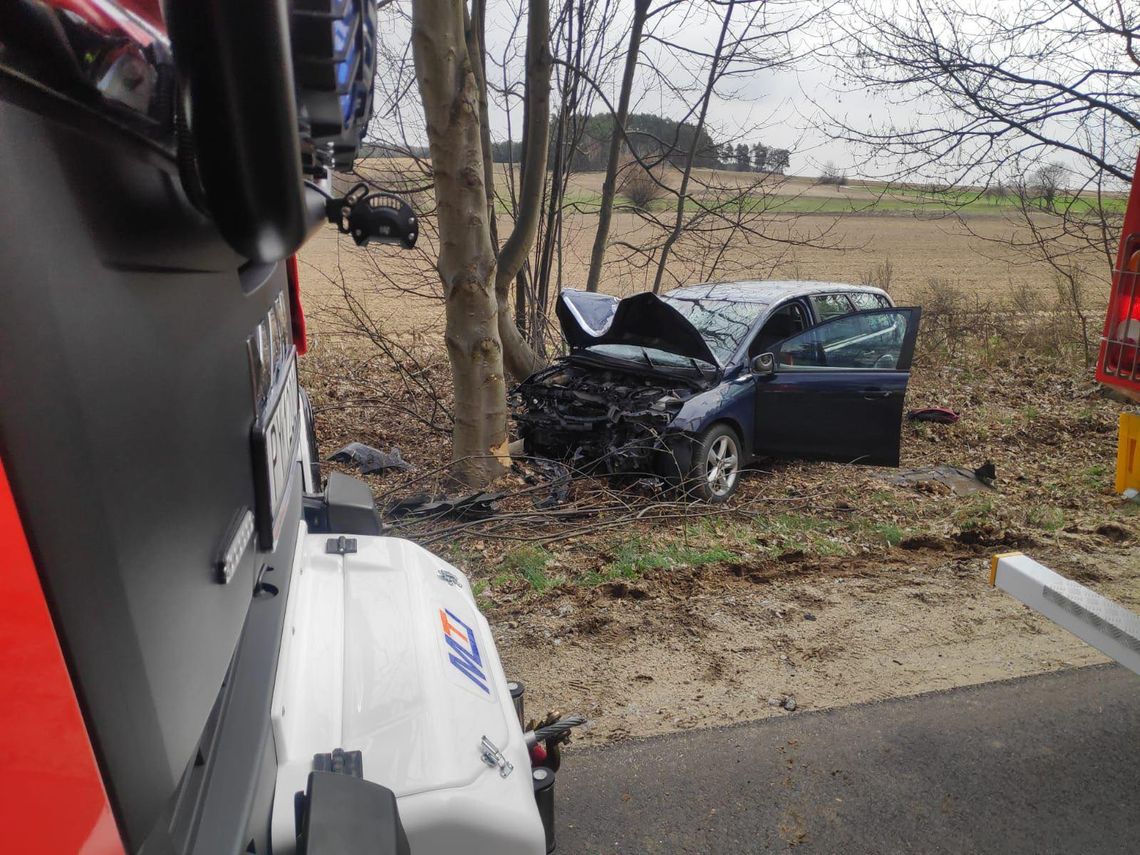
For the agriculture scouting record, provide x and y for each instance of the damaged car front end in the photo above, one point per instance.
(599, 418)
(627, 398)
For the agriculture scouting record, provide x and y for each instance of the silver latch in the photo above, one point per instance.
(494, 758)
(340, 545)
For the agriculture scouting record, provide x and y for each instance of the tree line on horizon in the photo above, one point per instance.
(653, 140)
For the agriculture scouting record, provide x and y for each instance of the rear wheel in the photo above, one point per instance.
(717, 457)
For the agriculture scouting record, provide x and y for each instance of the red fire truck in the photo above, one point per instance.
(206, 647)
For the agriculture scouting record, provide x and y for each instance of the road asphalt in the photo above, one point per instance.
(1040, 764)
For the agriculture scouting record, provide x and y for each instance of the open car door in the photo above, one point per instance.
(836, 390)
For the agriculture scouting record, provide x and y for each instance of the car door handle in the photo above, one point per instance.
(872, 394)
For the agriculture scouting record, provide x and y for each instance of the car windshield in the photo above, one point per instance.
(650, 357)
(722, 323)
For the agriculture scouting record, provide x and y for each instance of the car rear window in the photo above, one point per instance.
(831, 305)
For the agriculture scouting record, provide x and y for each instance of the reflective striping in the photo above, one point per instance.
(1108, 626)
(1098, 612)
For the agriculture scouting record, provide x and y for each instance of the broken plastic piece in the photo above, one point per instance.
(371, 460)
(557, 475)
(959, 480)
(473, 507)
(939, 415)
(650, 486)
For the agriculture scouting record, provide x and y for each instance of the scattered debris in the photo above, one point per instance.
(552, 472)
(649, 486)
(986, 473)
(370, 460)
(1131, 495)
(790, 704)
(938, 415)
(472, 507)
(809, 616)
(959, 481)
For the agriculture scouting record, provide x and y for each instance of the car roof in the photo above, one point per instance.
(764, 291)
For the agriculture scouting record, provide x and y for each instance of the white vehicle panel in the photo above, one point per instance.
(385, 652)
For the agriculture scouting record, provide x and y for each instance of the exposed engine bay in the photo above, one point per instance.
(600, 419)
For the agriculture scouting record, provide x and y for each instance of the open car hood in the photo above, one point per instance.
(643, 320)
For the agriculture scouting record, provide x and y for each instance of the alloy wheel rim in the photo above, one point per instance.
(722, 466)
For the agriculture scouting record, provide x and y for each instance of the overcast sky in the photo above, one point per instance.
(782, 108)
(785, 107)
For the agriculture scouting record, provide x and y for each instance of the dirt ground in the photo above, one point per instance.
(712, 646)
(819, 582)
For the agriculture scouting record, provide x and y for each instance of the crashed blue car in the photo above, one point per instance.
(697, 383)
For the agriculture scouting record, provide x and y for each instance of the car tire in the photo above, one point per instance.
(717, 458)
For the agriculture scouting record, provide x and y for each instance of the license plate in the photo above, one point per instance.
(275, 438)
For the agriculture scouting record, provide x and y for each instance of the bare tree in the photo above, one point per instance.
(450, 73)
(449, 89)
(716, 69)
(832, 174)
(993, 90)
(1047, 183)
(605, 213)
(719, 217)
(520, 358)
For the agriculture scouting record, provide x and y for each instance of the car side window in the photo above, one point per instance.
(867, 302)
(863, 340)
(829, 306)
(786, 321)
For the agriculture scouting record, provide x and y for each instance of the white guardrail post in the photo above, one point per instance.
(1096, 620)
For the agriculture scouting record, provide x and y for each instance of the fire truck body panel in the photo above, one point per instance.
(125, 432)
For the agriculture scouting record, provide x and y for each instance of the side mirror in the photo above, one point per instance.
(764, 365)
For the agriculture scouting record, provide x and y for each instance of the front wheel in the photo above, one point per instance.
(717, 456)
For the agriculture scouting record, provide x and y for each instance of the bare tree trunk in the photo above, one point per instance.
(519, 357)
(476, 48)
(682, 193)
(598, 254)
(450, 92)
(541, 273)
(521, 284)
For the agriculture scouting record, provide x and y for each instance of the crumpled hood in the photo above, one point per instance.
(643, 320)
